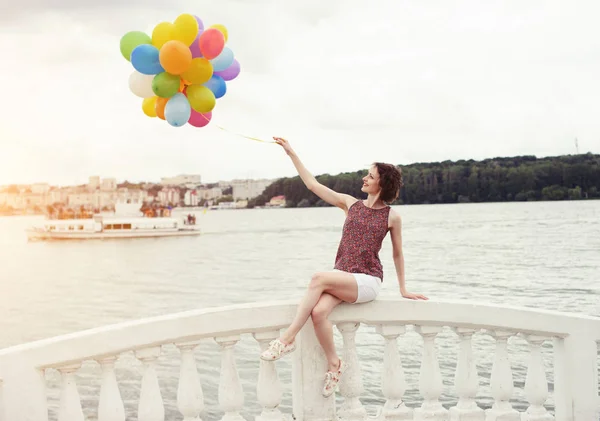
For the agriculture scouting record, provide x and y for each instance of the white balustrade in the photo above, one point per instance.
(23, 387)
(190, 398)
(393, 383)
(110, 403)
(351, 384)
(466, 380)
(70, 403)
(502, 382)
(268, 386)
(430, 378)
(536, 383)
(231, 394)
(151, 406)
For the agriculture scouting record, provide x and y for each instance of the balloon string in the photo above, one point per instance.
(237, 134)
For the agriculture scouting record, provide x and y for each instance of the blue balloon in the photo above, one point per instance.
(144, 59)
(178, 110)
(223, 60)
(217, 85)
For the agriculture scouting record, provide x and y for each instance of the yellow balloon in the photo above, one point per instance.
(187, 28)
(149, 106)
(222, 29)
(163, 33)
(201, 98)
(199, 72)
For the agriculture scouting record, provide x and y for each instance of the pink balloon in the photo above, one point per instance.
(231, 72)
(211, 43)
(200, 119)
(195, 46)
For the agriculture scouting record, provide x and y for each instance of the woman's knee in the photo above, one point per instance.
(319, 314)
(317, 281)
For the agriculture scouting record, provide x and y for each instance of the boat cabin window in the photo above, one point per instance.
(71, 227)
(126, 226)
(108, 226)
(80, 227)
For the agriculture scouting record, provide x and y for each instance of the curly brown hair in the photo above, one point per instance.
(390, 181)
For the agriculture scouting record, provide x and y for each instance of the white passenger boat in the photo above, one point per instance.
(126, 222)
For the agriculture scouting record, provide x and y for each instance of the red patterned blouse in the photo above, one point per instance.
(362, 236)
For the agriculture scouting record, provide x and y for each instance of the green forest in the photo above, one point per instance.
(520, 178)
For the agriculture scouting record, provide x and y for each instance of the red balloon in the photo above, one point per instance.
(199, 119)
(211, 43)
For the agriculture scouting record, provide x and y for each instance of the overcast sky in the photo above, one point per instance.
(347, 82)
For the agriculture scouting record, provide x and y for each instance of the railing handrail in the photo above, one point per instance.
(267, 316)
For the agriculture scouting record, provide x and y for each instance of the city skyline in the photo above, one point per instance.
(347, 83)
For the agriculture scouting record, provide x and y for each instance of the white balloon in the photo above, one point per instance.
(141, 85)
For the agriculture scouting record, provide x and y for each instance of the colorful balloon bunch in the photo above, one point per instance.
(181, 70)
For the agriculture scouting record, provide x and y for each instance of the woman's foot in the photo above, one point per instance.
(276, 350)
(332, 378)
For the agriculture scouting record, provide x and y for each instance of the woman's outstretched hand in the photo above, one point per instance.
(412, 296)
(284, 144)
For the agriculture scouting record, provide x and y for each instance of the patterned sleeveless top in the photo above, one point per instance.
(362, 236)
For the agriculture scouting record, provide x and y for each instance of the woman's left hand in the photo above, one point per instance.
(412, 296)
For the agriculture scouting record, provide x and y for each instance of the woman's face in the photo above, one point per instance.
(371, 182)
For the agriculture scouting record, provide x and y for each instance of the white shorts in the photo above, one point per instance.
(368, 287)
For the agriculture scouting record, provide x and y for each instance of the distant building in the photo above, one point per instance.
(277, 201)
(108, 184)
(191, 198)
(248, 189)
(169, 195)
(188, 180)
(94, 183)
(40, 188)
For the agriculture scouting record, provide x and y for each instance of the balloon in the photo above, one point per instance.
(221, 29)
(199, 119)
(131, 40)
(195, 46)
(178, 110)
(199, 71)
(217, 85)
(201, 98)
(200, 24)
(160, 107)
(223, 60)
(231, 72)
(144, 59)
(182, 85)
(187, 28)
(164, 32)
(175, 57)
(141, 85)
(211, 43)
(149, 106)
(165, 85)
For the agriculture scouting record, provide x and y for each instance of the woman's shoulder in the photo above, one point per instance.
(394, 217)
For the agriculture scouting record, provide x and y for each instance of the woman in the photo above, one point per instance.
(357, 274)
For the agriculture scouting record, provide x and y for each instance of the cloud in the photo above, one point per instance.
(347, 82)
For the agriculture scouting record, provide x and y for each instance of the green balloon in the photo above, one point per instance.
(165, 85)
(131, 40)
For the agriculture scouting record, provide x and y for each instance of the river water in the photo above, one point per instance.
(540, 254)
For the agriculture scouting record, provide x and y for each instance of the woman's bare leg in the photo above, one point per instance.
(324, 328)
(341, 285)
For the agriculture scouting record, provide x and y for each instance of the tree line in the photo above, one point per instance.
(520, 178)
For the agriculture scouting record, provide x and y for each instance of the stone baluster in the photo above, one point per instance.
(110, 405)
(536, 383)
(151, 406)
(2, 411)
(430, 378)
(393, 383)
(268, 388)
(351, 385)
(190, 398)
(502, 382)
(466, 381)
(70, 403)
(231, 394)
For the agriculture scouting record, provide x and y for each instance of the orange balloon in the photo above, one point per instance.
(175, 57)
(160, 107)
